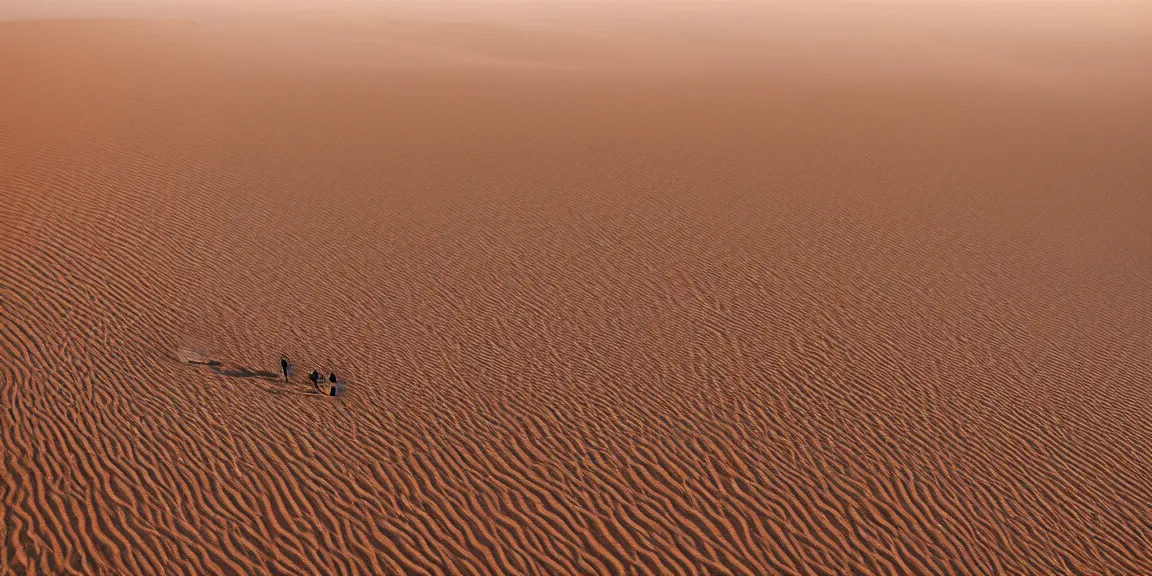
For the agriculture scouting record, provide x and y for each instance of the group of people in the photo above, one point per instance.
(315, 378)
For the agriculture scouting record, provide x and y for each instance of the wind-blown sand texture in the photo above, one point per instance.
(844, 290)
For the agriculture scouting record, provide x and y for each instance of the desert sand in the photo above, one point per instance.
(694, 288)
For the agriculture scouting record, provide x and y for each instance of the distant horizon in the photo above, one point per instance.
(1024, 41)
(51, 9)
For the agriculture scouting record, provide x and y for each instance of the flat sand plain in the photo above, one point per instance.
(842, 289)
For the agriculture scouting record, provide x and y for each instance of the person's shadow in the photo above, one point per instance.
(235, 370)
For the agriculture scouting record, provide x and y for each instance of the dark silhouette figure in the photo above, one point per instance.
(332, 380)
(284, 368)
(332, 391)
(315, 378)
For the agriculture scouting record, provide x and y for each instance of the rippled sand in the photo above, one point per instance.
(841, 290)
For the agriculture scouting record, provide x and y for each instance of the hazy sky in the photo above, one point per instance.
(22, 9)
(1081, 41)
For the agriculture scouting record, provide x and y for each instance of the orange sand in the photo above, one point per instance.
(851, 289)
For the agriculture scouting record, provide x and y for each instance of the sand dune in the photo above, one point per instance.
(619, 311)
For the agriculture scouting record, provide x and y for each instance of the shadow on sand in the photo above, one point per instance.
(236, 371)
(286, 392)
(233, 370)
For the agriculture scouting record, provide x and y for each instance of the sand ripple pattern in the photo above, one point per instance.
(590, 325)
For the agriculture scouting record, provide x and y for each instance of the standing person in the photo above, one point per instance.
(315, 378)
(284, 367)
(332, 380)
